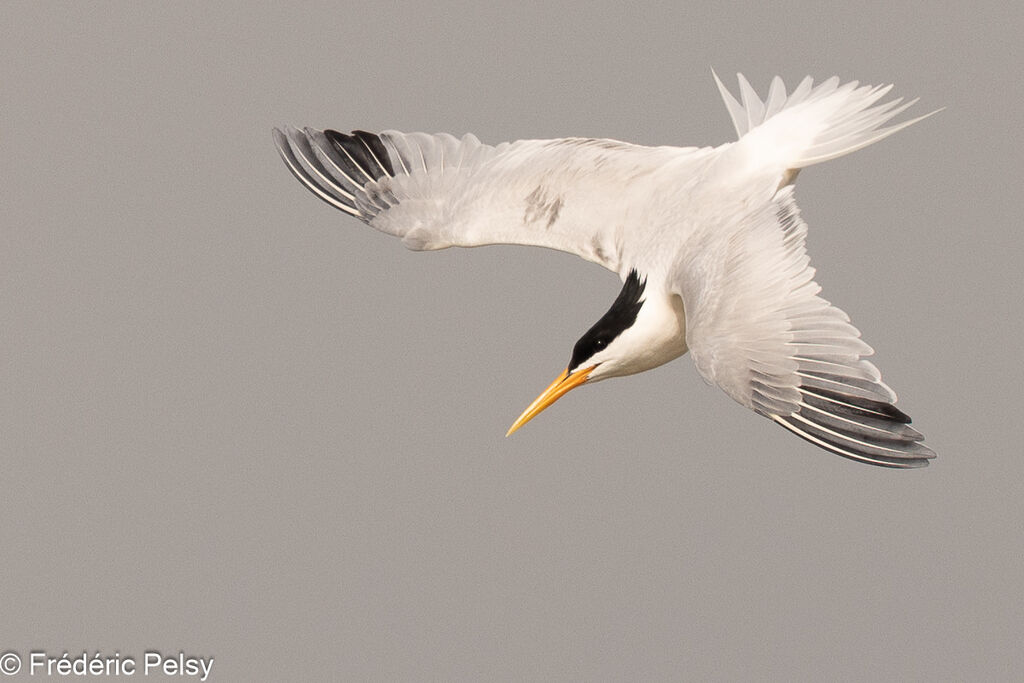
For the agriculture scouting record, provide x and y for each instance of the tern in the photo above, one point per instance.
(708, 242)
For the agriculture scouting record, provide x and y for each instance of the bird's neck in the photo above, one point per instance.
(658, 335)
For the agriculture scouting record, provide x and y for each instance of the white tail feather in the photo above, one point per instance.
(814, 123)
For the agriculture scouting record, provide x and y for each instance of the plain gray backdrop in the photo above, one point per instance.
(238, 423)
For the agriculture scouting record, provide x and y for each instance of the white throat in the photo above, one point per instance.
(657, 336)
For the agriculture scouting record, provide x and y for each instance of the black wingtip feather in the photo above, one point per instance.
(284, 141)
(910, 462)
(369, 163)
(380, 153)
(855, 405)
(854, 426)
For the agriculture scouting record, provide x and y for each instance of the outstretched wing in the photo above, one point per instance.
(758, 330)
(437, 191)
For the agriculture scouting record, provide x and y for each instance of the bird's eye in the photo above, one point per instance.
(600, 344)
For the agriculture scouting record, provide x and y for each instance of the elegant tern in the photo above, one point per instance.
(708, 242)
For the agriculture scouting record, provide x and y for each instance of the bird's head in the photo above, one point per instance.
(636, 334)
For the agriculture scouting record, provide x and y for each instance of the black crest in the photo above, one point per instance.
(619, 318)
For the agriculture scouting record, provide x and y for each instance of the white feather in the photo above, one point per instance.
(715, 233)
(813, 125)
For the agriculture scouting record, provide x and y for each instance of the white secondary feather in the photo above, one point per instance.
(716, 228)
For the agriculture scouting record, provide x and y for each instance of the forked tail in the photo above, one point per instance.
(813, 123)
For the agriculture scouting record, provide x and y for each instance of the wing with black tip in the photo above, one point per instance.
(438, 191)
(757, 329)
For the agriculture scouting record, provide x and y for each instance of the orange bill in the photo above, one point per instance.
(555, 391)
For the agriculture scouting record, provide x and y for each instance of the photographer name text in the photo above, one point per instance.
(152, 663)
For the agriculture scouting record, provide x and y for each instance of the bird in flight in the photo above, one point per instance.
(708, 242)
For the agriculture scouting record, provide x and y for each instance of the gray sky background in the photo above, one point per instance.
(237, 423)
